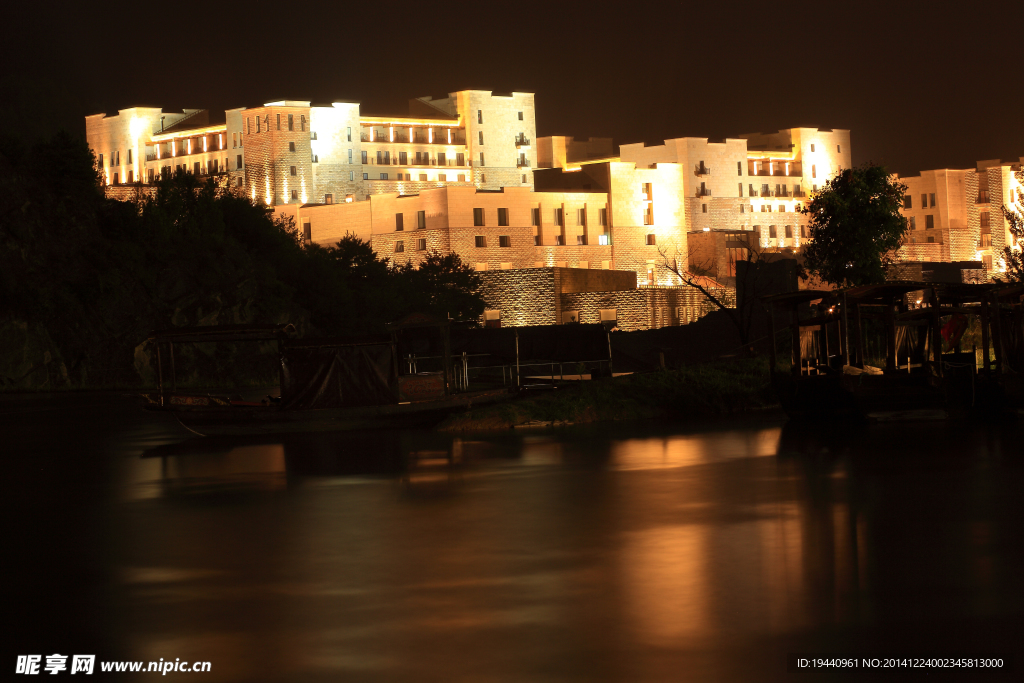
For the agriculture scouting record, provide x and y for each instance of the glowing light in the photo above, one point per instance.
(391, 133)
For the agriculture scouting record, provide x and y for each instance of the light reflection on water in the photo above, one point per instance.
(622, 553)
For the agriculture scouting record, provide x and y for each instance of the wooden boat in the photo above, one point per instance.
(326, 385)
(829, 376)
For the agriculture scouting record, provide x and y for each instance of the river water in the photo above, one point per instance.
(642, 552)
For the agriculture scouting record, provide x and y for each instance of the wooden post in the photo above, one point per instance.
(860, 336)
(936, 335)
(890, 337)
(997, 332)
(985, 334)
(159, 373)
(845, 333)
(795, 325)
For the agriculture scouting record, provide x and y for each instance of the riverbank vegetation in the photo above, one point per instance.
(703, 390)
(84, 278)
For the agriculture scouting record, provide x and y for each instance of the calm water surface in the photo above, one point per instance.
(648, 552)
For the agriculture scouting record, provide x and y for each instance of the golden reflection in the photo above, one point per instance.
(667, 583)
(259, 467)
(697, 449)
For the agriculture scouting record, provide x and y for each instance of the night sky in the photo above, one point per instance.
(920, 85)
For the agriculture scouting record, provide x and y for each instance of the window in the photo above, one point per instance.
(423, 176)
(983, 216)
(502, 217)
(279, 122)
(782, 208)
(803, 231)
(913, 223)
(581, 240)
(931, 239)
(524, 178)
(399, 246)
(812, 146)
(307, 231)
(602, 216)
(839, 150)
(383, 176)
(986, 261)
(403, 158)
(481, 135)
(421, 219)
(101, 161)
(460, 159)
(238, 161)
(350, 156)
(478, 216)
(364, 153)
(481, 163)
(291, 146)
(932, 199)
(421, 244)
(651, 239)
(483, 178)
(399, 221)
(789, 232)
(559, 241)
(742, 208)
(349, 133)
(534, 217)
(302, 122)
(462, 177)
(558, 217)
(771, 231)
(328, 199)
(295, 194)
(908, 201)
(505, 241)
(581, 217)
(814, 188)
(351, 175)
(929, 222)
(814, 171)
(740, 190)
(520, 116)
(258, 122)
(604, 240)
(924, 201)
(703, 208)
(479, 115)
(129, 156)
(441, 160)
(986, 240)
(480, 241)
(366, 176)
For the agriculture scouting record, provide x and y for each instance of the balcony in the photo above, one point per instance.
(765, 192)
(783, 192)
(795, 170)
(522, 141)
(703, 192)
(700, 169)
(523, 163)
(799, 193)
(983, 197)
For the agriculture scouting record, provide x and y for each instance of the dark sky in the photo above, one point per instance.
(920, 85)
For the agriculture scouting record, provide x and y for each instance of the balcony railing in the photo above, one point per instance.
(703, 191)
(765, 192)
(983, 197)
(522, 141)
(799, 193)
(783, 192)
(794, 170)
(701, 169)
(523, 163)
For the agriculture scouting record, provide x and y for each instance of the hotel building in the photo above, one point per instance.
(956, 214)
(293, 152)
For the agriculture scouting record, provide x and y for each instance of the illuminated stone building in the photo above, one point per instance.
(753, 182)
(956, 214)
(294, 152)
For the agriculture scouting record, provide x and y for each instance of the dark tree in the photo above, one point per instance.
(1012, 252)
(856, 226)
